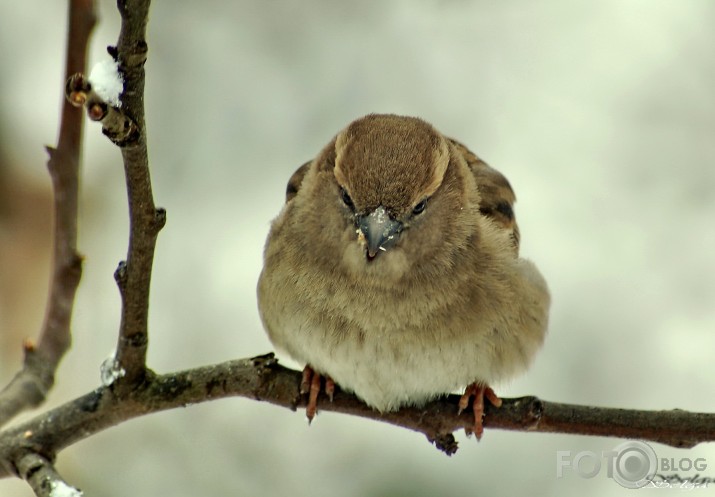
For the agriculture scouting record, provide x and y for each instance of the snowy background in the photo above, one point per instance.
(601, 114)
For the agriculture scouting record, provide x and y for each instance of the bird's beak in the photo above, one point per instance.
(380, 231)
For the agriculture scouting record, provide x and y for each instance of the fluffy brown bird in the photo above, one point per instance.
(393, 270)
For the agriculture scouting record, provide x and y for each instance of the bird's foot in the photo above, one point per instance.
(310, 384)
(480, 392)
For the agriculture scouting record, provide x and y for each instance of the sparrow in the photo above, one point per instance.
(393, 271)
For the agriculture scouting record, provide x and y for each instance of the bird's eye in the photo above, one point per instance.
(346, 198)
(419, 208)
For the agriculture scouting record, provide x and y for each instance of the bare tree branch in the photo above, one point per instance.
(30, 385)
(134, 276)
(261, 378)
(42, 477)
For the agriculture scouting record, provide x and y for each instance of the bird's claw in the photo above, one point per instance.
(310, 384)
(479, 392)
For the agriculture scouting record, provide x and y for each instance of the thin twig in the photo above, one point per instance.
(30, 385)
(261, 378)
(43, 478)
(134, 275)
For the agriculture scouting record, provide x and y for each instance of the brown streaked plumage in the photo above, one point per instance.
(295, 180)
(393, 270)
(497, 197)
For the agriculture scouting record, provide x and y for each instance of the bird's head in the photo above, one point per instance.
(388, 173)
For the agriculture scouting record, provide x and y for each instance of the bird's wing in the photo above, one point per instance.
(295, 181)
(497, 196)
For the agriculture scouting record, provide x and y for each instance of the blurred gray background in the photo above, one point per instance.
(601, 114)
